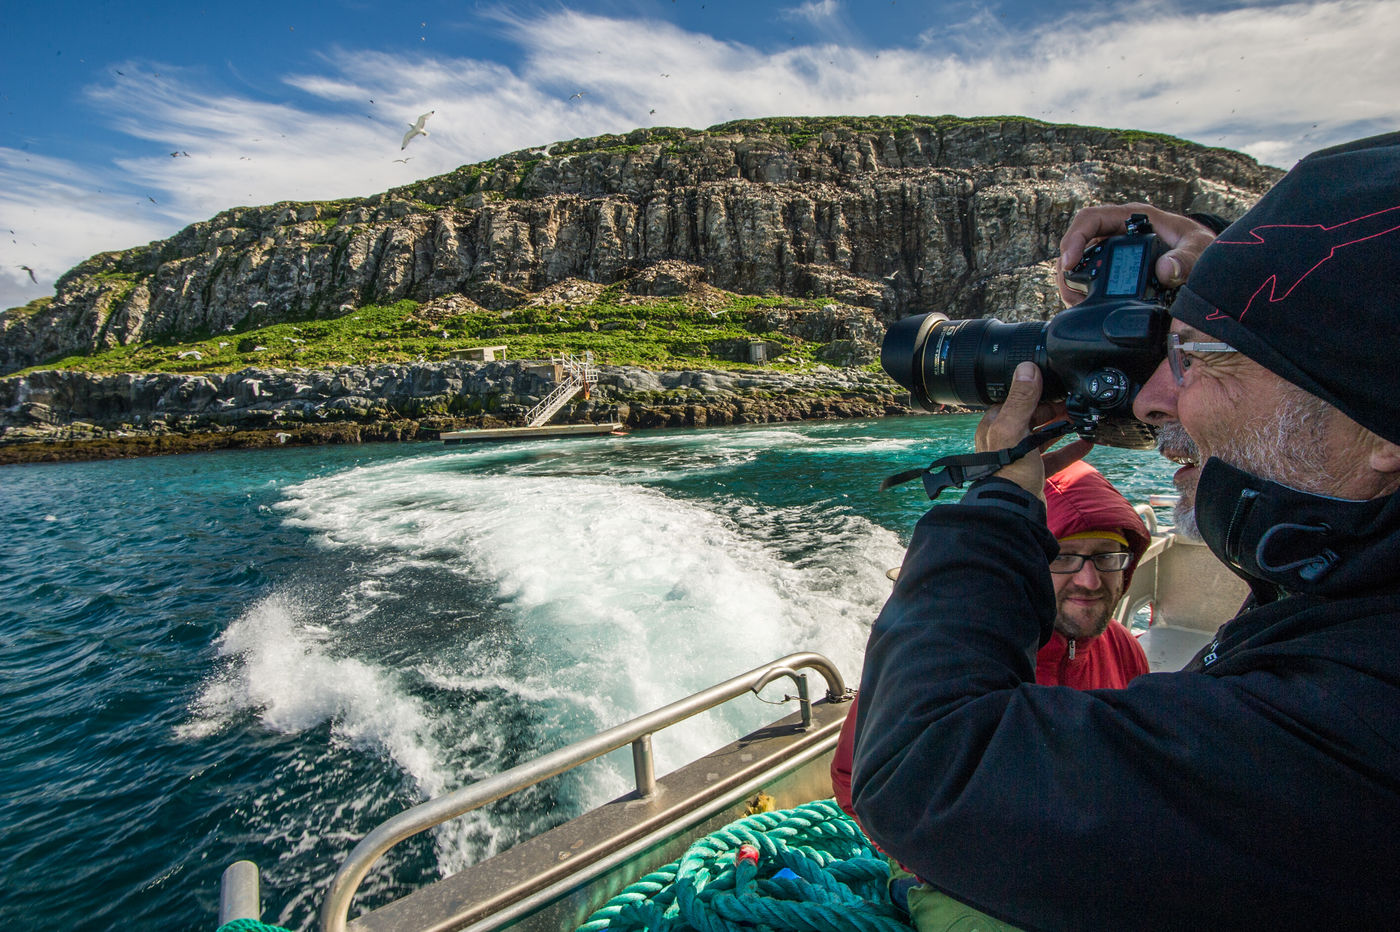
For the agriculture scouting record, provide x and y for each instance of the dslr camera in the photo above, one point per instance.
(1094, 356)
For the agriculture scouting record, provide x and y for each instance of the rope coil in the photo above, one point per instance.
(829, 878)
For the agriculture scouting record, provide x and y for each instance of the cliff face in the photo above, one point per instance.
(893, 214)
(58, 414)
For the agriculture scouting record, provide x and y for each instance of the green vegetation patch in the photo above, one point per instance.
(33, 308)
(658, 333)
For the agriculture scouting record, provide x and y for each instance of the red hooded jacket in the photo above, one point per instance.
(1077, 499)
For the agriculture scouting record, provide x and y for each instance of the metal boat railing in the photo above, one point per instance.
(239, 894)
(637, 733)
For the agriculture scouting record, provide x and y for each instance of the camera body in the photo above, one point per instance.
(1094, 356)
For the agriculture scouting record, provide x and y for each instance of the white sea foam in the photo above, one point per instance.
(281, 671)
(619, 585)
(612, 599)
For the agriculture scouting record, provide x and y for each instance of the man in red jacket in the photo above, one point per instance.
(1101, 538)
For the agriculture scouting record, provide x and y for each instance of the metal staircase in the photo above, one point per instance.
(579, 375)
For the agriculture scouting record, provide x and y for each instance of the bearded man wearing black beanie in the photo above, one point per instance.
(1259, 788)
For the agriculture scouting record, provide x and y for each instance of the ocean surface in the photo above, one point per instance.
(264, 654)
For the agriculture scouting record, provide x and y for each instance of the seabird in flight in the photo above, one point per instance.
(416, 129)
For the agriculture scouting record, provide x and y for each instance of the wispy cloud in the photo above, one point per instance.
(814, 11)
(1275, 82)
(54, 213)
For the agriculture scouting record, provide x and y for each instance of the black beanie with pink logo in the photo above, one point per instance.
(1307, 283)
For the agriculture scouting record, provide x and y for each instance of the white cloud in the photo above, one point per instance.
(814, 11)
(54, 214)
(1250, 79)
(1275, 82)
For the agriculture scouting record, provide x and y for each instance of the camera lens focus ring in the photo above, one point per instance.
(1026, 345)
(963, 354)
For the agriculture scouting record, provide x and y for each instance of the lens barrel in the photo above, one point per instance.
(963, 362)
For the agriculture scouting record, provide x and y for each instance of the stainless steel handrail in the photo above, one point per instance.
(239, 896)
(1148, 516)
(637, 732)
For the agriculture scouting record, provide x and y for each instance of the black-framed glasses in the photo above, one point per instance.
(1177, 354)
(1113, 562)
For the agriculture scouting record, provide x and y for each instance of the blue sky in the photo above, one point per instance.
(262, 102)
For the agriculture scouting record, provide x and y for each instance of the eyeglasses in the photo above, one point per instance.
(1179, 361)
(1113, 562)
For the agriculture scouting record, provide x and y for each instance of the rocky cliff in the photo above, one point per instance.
(56, 415)
(893, 214)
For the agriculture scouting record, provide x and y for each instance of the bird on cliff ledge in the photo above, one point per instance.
(416, 129)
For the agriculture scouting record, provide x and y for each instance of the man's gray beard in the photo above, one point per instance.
(1288, 448)
(1173, 439)
(1184, 514)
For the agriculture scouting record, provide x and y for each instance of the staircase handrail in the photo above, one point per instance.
(579, 373)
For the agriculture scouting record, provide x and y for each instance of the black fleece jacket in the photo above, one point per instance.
(1261, 792)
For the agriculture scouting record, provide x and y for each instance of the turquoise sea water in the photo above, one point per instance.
(264, 654)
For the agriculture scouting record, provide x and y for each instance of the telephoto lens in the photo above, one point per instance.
(1094, 356)
(964, 362)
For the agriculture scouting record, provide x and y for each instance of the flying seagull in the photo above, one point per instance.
(416, 129)
(31, 274)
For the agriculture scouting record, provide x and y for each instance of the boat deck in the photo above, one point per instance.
(557, 879)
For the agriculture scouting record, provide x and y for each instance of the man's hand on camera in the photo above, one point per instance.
(1006, 424)
(1186, 238)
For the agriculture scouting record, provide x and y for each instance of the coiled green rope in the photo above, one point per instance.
(835, 881)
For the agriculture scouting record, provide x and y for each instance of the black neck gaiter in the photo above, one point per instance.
(1283, 541)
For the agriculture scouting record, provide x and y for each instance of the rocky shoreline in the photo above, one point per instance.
(55, 415)
(873, 218)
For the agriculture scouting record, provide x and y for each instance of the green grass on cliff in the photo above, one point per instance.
(32, 309)
(650, 332)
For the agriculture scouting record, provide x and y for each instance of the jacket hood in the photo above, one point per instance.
(1078, 499)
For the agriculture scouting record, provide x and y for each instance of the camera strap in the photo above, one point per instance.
(951, 472)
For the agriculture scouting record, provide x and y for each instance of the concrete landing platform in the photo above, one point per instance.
(549, 431)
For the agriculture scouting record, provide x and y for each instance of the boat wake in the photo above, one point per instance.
(452, 622)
